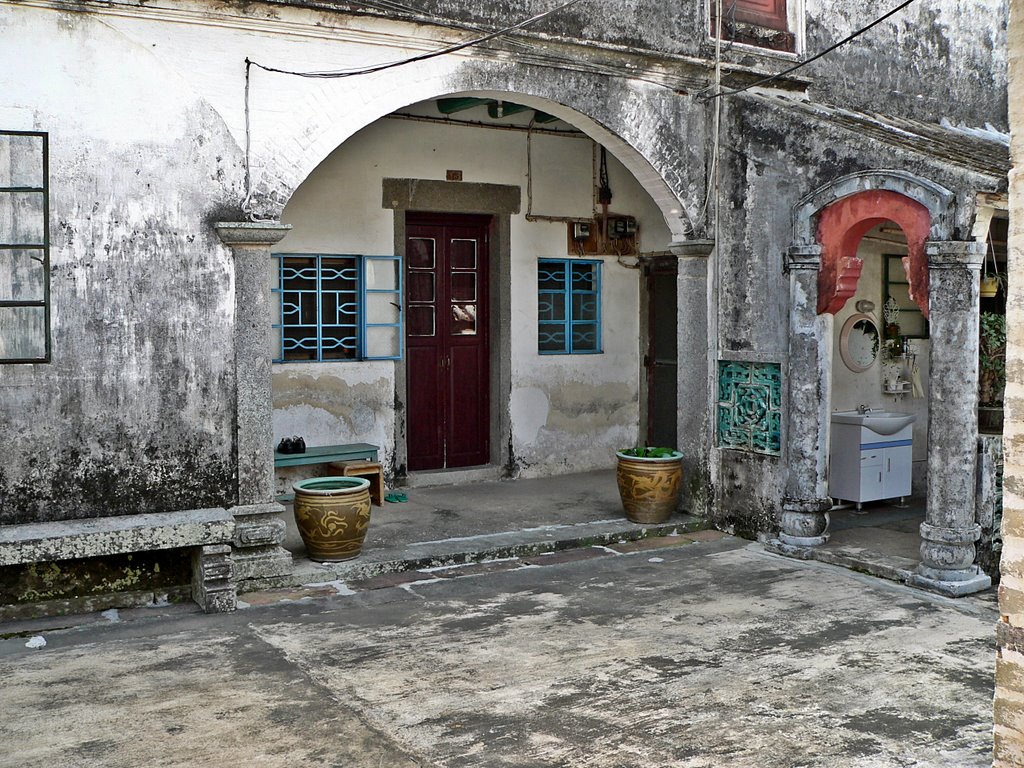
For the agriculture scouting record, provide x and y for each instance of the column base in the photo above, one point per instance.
(954, 583)
(805, 522)
(803, 541)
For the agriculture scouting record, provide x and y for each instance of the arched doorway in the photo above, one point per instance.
(942, 282)
(539, 372)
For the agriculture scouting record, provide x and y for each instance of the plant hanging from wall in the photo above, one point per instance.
(893, 345)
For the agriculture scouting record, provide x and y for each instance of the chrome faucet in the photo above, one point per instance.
(862, 409)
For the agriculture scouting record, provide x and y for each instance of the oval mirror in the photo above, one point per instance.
(859, 342)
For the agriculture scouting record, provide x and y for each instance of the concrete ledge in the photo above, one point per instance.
(889, 567)
(497, 546)
(100, 536)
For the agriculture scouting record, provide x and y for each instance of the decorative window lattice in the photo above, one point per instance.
(568, 307)
(24, 247)
(338, 308)
(750, 406)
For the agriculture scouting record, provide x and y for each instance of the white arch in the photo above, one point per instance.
(660, 166)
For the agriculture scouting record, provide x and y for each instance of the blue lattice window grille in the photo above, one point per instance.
(24, 247)
(750, 406)
(337, 307)
(568, 307)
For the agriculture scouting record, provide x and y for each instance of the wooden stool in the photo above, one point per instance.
(371, 470)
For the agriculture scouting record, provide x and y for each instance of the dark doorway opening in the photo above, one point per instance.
(661, 358)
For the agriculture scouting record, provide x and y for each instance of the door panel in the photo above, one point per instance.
(426, 440)
(448, 371)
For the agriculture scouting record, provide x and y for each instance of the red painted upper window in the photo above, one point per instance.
(764, 23)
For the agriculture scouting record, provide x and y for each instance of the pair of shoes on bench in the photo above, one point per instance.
(396, 496)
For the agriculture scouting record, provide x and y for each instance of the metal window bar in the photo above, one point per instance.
(43, 246)
(580, 324)
(328, 333)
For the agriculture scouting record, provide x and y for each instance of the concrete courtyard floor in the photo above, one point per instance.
(697, 650)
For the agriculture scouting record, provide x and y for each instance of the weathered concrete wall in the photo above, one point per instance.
(907, 65)
(911, 63)
(134, 414)
(567, 413)
(147, 116)
(771, 159)
(1009, 696)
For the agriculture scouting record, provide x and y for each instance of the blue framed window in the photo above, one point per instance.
(337, 307)
(568, 307)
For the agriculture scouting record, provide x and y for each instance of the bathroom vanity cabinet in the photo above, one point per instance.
(866, 465)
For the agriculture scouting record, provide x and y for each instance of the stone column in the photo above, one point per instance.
(949, 531)
(260, 560)
(806, 503)
(693, 428)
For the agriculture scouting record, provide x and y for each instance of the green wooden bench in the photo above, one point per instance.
(324, 454)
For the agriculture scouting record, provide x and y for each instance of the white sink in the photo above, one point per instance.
(881, 422)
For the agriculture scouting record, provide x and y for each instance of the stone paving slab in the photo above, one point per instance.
(709, 655)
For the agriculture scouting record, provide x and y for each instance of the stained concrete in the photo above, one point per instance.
(709, 654)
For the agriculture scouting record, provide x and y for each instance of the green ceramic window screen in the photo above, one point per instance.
(750, 407)
(912, 322)
(24, 248)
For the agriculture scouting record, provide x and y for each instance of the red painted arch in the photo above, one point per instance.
(843, 224)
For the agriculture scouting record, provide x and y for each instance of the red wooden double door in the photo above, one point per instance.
(448, 366)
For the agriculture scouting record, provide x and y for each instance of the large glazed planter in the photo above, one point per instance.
(333, 514)
(650, 488)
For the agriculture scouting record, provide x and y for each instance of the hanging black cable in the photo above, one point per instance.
(794, 68)
(420, 57)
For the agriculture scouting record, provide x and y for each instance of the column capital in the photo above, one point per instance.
(251, 233)
(955, 254)
(692, 248)
(803, 257)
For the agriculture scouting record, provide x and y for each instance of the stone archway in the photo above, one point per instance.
(843, 224)
(282, 162)
(823, 269)
(286, 145)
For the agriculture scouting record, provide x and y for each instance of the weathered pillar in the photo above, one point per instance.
(949, 531)
(806, 503)
(693, 428)
(260, 560)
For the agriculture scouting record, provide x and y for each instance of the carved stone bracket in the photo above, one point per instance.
(213, 578)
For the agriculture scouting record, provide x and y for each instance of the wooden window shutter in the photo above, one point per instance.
(764, 13)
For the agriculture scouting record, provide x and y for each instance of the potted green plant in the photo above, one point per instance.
(992, 371)
(650, 481)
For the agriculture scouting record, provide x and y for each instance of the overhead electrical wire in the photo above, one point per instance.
(249, 64)
(419, 57)
(765, 80)
(385, 5)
